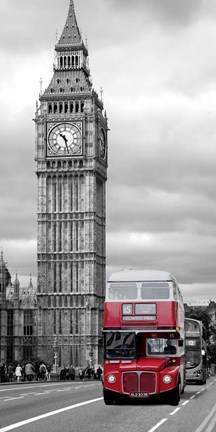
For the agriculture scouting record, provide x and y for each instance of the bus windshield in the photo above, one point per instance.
(161, 346)
(192, 328)
(119, 345)
(193, 359)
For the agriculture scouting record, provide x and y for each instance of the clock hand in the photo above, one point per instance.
(65, 140)
(63, 136)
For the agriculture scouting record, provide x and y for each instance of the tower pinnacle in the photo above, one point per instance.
(71, 34)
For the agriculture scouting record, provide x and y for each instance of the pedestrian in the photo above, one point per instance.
(81, 373)
(10, 372)
(23, 373)
(43, 371)
(48, 372)
(88, 372)
(99, 372)
(18, 372)
(29, 371)
(2, 372)
(72, 372)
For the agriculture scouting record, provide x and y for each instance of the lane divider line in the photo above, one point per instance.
(154, 427)
(175, 411)
(212, 424)
(14, 398)
(205, 421)
(49, 414)
(185, 402)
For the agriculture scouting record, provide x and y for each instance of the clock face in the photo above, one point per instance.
(102, 144)
(65, 139)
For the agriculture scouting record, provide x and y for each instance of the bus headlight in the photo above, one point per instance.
(111, 379)
(167, 379)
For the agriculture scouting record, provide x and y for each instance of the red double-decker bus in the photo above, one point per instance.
(144, 352)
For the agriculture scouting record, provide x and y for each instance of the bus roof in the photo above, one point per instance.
(140, 275)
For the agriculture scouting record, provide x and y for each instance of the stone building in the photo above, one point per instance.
(18, 318)
(62, 317)
(71, 167)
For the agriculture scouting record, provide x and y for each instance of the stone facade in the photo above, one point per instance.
(62, 317)
(18, 319)
(71, 167)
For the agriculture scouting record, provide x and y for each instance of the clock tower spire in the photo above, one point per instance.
(71, 33)
(71, 168)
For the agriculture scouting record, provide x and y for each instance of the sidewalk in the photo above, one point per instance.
(53, 378)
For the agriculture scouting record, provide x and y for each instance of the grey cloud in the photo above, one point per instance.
(189, 258)
(30, 25)
(18, 189)
(169, 12)
(21, 257)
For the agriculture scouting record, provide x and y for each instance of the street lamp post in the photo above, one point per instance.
(55, 347)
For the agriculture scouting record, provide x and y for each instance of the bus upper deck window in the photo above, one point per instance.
(120, 291)
(155, 290)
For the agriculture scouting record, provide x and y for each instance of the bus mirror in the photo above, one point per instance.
(180, 343)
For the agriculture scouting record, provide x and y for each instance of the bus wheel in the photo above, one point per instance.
(108, 397)
(175, 395)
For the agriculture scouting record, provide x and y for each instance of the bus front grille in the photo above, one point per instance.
(147, 382)
(130, 382)
(139, 382)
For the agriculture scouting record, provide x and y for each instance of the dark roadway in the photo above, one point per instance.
(78, 406)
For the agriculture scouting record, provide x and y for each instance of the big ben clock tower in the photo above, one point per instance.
(71, 167)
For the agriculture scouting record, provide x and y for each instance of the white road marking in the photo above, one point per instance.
(44, 385)
(175, 411)
(185, 402)
(65, 389)
(205, 421)
(212, 424)
(5, 398)
(192, 397)
(13, 398)
(49, 414)
(154, 427)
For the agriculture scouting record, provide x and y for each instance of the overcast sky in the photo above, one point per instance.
(155, 60)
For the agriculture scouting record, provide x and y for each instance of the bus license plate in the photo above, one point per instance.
(139, 394)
